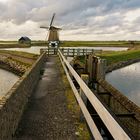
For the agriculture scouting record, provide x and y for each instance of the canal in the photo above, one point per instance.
(7, 80)
(127, 81)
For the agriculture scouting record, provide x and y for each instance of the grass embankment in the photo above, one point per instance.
(16, 62)
(8, 42)
(39, 43)
(86, 43)
(19, 53)
(95, 43)
(114, 57)
(13, 45)
(90, 43)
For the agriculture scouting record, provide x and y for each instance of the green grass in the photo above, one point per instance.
(13, 45)
(24, 54)
(8, 42)
(88, 43)
(128, 44)
(85, 43)
(39, 43)
(12, 57)
(97, 43)
(115, 57)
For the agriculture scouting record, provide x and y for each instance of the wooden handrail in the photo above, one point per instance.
(78, 51)
(96, 134)
(114, 128)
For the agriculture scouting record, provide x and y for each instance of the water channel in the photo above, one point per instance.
(7, 80)
(127, 81)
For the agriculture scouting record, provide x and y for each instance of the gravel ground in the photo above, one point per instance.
(47, 116)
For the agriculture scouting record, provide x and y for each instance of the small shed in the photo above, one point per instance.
(24, 40)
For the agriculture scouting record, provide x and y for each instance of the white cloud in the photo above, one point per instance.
(80, 19)
(132, 15)
(3, 1)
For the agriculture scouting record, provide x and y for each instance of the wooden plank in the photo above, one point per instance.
(127, 115)
(73, 52)
(96, 134)
(114, 128)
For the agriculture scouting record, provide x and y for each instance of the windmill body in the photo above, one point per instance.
(53, 34)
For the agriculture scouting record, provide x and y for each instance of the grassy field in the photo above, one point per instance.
(18, 53)
(113, 57)
(8, 42)
(13, 45)
(90, 43)
(39, 43)
(22, 58)
(94, 43)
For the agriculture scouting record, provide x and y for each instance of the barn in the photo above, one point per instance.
(24, 40)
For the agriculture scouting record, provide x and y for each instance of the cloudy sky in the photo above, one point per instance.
(79, 19)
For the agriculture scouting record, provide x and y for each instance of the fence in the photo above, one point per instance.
(49, 51)
(70, 52)
(78, 51)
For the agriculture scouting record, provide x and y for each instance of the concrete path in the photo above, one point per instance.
(47, 116)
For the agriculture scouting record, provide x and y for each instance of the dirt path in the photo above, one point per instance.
(47, 116)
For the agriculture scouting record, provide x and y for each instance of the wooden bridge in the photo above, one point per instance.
(108, 114)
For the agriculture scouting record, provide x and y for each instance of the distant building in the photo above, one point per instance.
(24, 40)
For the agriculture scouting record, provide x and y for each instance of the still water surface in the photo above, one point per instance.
(127, 81)
(7, 80)
(35, 50)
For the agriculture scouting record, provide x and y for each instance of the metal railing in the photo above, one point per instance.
(111, 124)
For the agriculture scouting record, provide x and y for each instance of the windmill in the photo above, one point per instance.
(53, 34)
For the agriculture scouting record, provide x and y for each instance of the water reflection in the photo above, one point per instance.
(35, 50)
(127, 80)
(7, 80)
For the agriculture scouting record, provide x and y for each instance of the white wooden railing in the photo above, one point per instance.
(70, 52)
(78, 51)
(113, 127)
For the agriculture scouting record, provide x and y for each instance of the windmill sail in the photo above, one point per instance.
(52, 20)
(44, 27)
